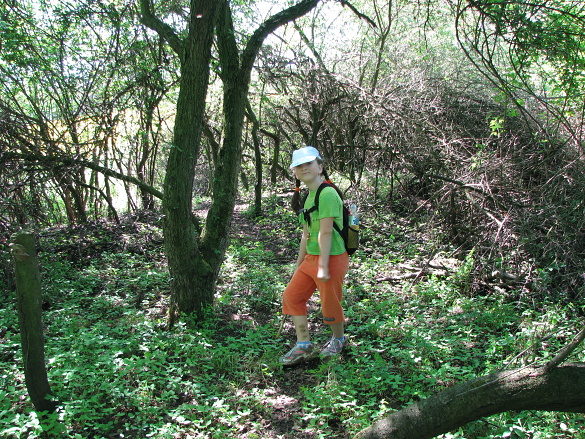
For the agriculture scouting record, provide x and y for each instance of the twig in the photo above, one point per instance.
(281, 325)
(419, 272)
(358, 13)
(565, 352)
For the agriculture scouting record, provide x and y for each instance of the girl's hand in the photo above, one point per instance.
(323, 274)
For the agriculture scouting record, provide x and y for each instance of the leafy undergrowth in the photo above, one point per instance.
(118, 372)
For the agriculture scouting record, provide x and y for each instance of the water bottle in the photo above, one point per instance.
(354, 219)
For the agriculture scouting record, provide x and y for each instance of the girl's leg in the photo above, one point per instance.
(331, 293)
(297, 293)
(302, 328)
(338, 329)
(303, 350)
(294, 301)
(331, 296)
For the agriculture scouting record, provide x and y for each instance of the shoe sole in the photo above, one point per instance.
(299, 360)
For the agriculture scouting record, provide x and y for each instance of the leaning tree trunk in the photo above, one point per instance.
(236, 73)
(235, 81)
(28, 288)
(557, 389)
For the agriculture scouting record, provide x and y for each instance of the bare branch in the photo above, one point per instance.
(269, 26)
(71, 161)
(164, 30)
(358, 13)
(566, 351)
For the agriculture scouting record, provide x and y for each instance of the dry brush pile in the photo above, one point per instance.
(494, 180)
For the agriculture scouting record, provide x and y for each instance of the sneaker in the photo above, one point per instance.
(297, 355)
(333, 348)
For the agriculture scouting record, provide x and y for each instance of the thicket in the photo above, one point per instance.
(510, 194)
(494, 183)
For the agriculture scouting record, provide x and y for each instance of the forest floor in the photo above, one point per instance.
(416, 321)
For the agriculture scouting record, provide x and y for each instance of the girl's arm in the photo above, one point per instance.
(324, 239)
(303, 245)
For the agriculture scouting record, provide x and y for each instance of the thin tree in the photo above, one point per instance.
(28, 286)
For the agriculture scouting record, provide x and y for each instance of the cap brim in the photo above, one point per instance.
(305, 159)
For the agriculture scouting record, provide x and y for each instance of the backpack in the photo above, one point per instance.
(349, 232)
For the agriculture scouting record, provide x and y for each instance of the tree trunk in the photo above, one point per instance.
(194, 264)
(187, 266)
(557, 389)
(236, 72)
(28, 288)
(257, 159)
(275, 155)
(215, 236)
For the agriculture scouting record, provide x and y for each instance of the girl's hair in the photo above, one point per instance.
(296, 201)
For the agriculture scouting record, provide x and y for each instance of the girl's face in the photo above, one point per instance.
(308, 172)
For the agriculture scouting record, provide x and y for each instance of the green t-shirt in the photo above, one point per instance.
(330, 206)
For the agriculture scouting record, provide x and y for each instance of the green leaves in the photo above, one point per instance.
(118, 371)
(16, 39)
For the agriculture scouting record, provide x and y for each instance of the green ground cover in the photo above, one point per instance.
(119, 372)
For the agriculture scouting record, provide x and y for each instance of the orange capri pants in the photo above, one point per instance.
(304, 283)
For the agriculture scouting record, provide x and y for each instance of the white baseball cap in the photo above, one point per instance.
(304, 155)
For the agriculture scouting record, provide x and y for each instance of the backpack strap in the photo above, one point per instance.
(319, 189)
(315, 207)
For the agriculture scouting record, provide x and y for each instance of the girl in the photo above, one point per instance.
(322, 261)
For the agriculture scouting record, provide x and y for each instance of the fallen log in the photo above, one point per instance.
(530, 388)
